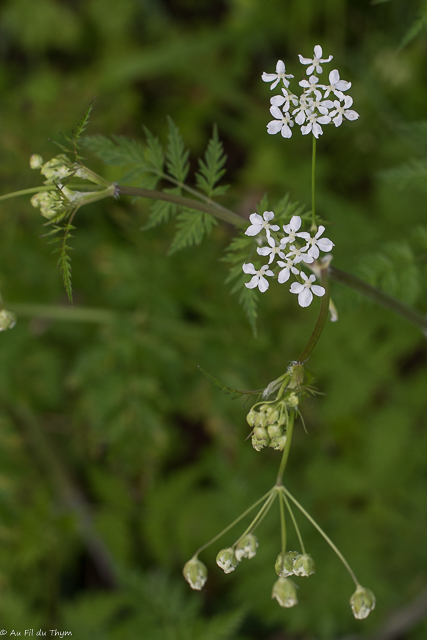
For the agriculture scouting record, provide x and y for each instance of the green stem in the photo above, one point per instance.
(325, 536)
(212, 209)
(259, 517)
(321, 320)
(26, 192)
(313, 186)
(282, 525)
(378, 296)
(230, 526)
(294, 522)
(286, 450)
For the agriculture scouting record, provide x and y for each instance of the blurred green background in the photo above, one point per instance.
(118, 457)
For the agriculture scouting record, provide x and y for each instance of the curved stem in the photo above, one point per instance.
(230, 526)
(321, 320)
(259, 517)
(212, 209)
(325, 536)
(294, 522)
(378, 296)
(26, 192)
(286, 450)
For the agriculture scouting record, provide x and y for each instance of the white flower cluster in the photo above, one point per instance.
(312, 108)
(292, 256)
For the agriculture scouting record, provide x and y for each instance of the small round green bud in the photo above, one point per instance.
(246, 547)
(195, 573)
(226, 560)
(7, 320)
(285, 563)
(251, 417)
(285, 593)
(278, 444)
(36, 161)
(304, 565)
(272, 415)
(275, 431)
(260, 438)
(292, 400)
(362, 602)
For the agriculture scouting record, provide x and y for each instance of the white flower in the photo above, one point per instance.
(272, 250)
(311, 84)
(259, 280)
(305, 291)
(298, 255)
(279, 75)
(314, 244)
(343, 110)
(303, 110)
(282, 123)
(315, 62)
(336, 85)
(285, 273)
(322, 106)
(291, 229)
(258, 224)
(285, 100)
(313, 124)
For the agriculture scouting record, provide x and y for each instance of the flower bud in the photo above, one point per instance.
(251, 417)
(304, 565)
(226, 560)
(36, 161)
(292, 400)
(260, 438)
(285, 593)
(285, 563)
(362, 602)
(275, 431)
(195, 573)
(7, 320)
(278, 444)
(272, 415)
(246, 547)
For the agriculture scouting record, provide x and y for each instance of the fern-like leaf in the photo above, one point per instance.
(211, 169)
(176, 154)
(228, 390)
(192, 226)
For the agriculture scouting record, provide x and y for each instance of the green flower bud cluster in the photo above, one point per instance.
(7, 320)
(54, 202)
(293, 563)
(269, 421)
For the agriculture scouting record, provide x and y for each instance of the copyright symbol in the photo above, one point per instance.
(3, 632)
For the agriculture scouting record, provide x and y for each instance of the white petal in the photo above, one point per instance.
(274, 227)
(307, 257)
(348, 101)
(351, 115)
(268, 77)
(275, 112)
(317, 290)
(284, 275)
(253, 283)
(295, 223)
(325, 244)
(324, 119)
(343, 85)
(274, 126)
(263, 284)
(313, 252)
(277, 101)
(304, 234)
(268, 215)
(334, 76)
(317, 130)
(263, 251)
(305, 297)
(306, 129)
(304, 60)
(296, 287)
(248, 267)
(280, 66)
(328, 103)
(318, 51)
(311, 68)
(253, 230)
(255, 218)
(338, 120)
(300, 119)
(286, 132)
(275, 83)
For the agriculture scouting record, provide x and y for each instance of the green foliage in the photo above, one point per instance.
(211, 169)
